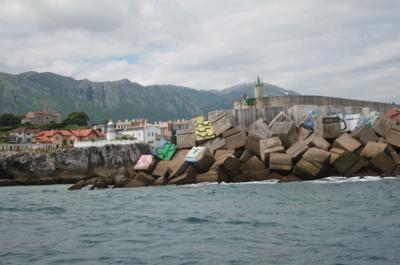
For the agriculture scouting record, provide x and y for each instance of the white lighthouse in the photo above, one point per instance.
(258, 88)
(110, 134)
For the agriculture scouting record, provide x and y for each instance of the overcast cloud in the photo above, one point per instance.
(336, 48)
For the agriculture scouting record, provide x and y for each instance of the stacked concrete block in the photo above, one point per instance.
(201, 158)
(253, 145)
(259, 129)
(313, 163)
(235, 138)
(393, 136)
(331, 127)
(280, 162)
(315, 140)
(187, 177)
(364, 134)
(286, 131)
(270, 145)
(382, 125)
(217, 143)
(297, 150)
(346, 142)
(185, 138)
(223, 122)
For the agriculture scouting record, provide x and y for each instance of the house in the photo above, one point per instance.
(41, 118)
(129, 124)
(22, 135)
(68, 137)
(61, 137)
(143, 134)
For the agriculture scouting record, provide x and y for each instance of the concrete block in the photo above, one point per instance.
(253, 145)
(253, 164)
(231, 131)
(280, 162)
(145, 163)
(396, 171)
(318, 156)
(267, 152)
(335, 153)
(220, 153)
(186, 140)
(286, 131)
(302, 133)
(142, 179)
(162, 169)
(297, 150)
(215, 144)
(223, 122)
(364, 134)
(203, 130)
(346, 142)
(393, 137)
(384, 163)
(259, 129)
(331, 127)
(269, 143)
(188, 177)
(382, 125)
(246, 155)
(345, 162)
(317, 141)
(235, 141)
(211, 176)
(228, 163)
(372, 149)
(160, 181)
(357, 167)
(201, 158)
(281, 117)
(307, 170)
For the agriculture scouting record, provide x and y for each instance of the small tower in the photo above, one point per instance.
(258, 88)
(110, 134)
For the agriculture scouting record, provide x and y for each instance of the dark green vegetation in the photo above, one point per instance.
(76, 118)
(115, 99)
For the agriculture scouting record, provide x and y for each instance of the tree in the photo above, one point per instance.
(8, 119)
(76, 118)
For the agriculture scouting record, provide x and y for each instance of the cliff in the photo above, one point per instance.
(66, 166)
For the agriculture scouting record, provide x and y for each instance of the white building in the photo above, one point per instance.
(110, 134)
(143, 134)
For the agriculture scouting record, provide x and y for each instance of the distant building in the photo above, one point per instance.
(22, 135)
(110, 133)
(143, 134)
(67, 137)
(128, 124)
(41, 118)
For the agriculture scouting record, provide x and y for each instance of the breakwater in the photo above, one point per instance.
(67, 165)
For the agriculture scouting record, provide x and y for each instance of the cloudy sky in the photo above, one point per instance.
(337, 48)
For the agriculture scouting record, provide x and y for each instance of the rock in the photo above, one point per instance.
(335, 154)
(99, 184)
(160, 181)
(77, 186)
(307, 170)
(289, 179)
(253, 164)
(317, 155)
(372, 149)
(280, 162)
(259, 129)
(317, 141)
(364, 134)
(357, 167)
(286, 131)
(346, 142)
(142, 179)
(384, 163)
(121, 177)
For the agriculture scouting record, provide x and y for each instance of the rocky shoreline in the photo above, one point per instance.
(66, 166)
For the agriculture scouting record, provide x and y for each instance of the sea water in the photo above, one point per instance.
(330, 221)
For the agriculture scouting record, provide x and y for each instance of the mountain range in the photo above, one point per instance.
(121, 99)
